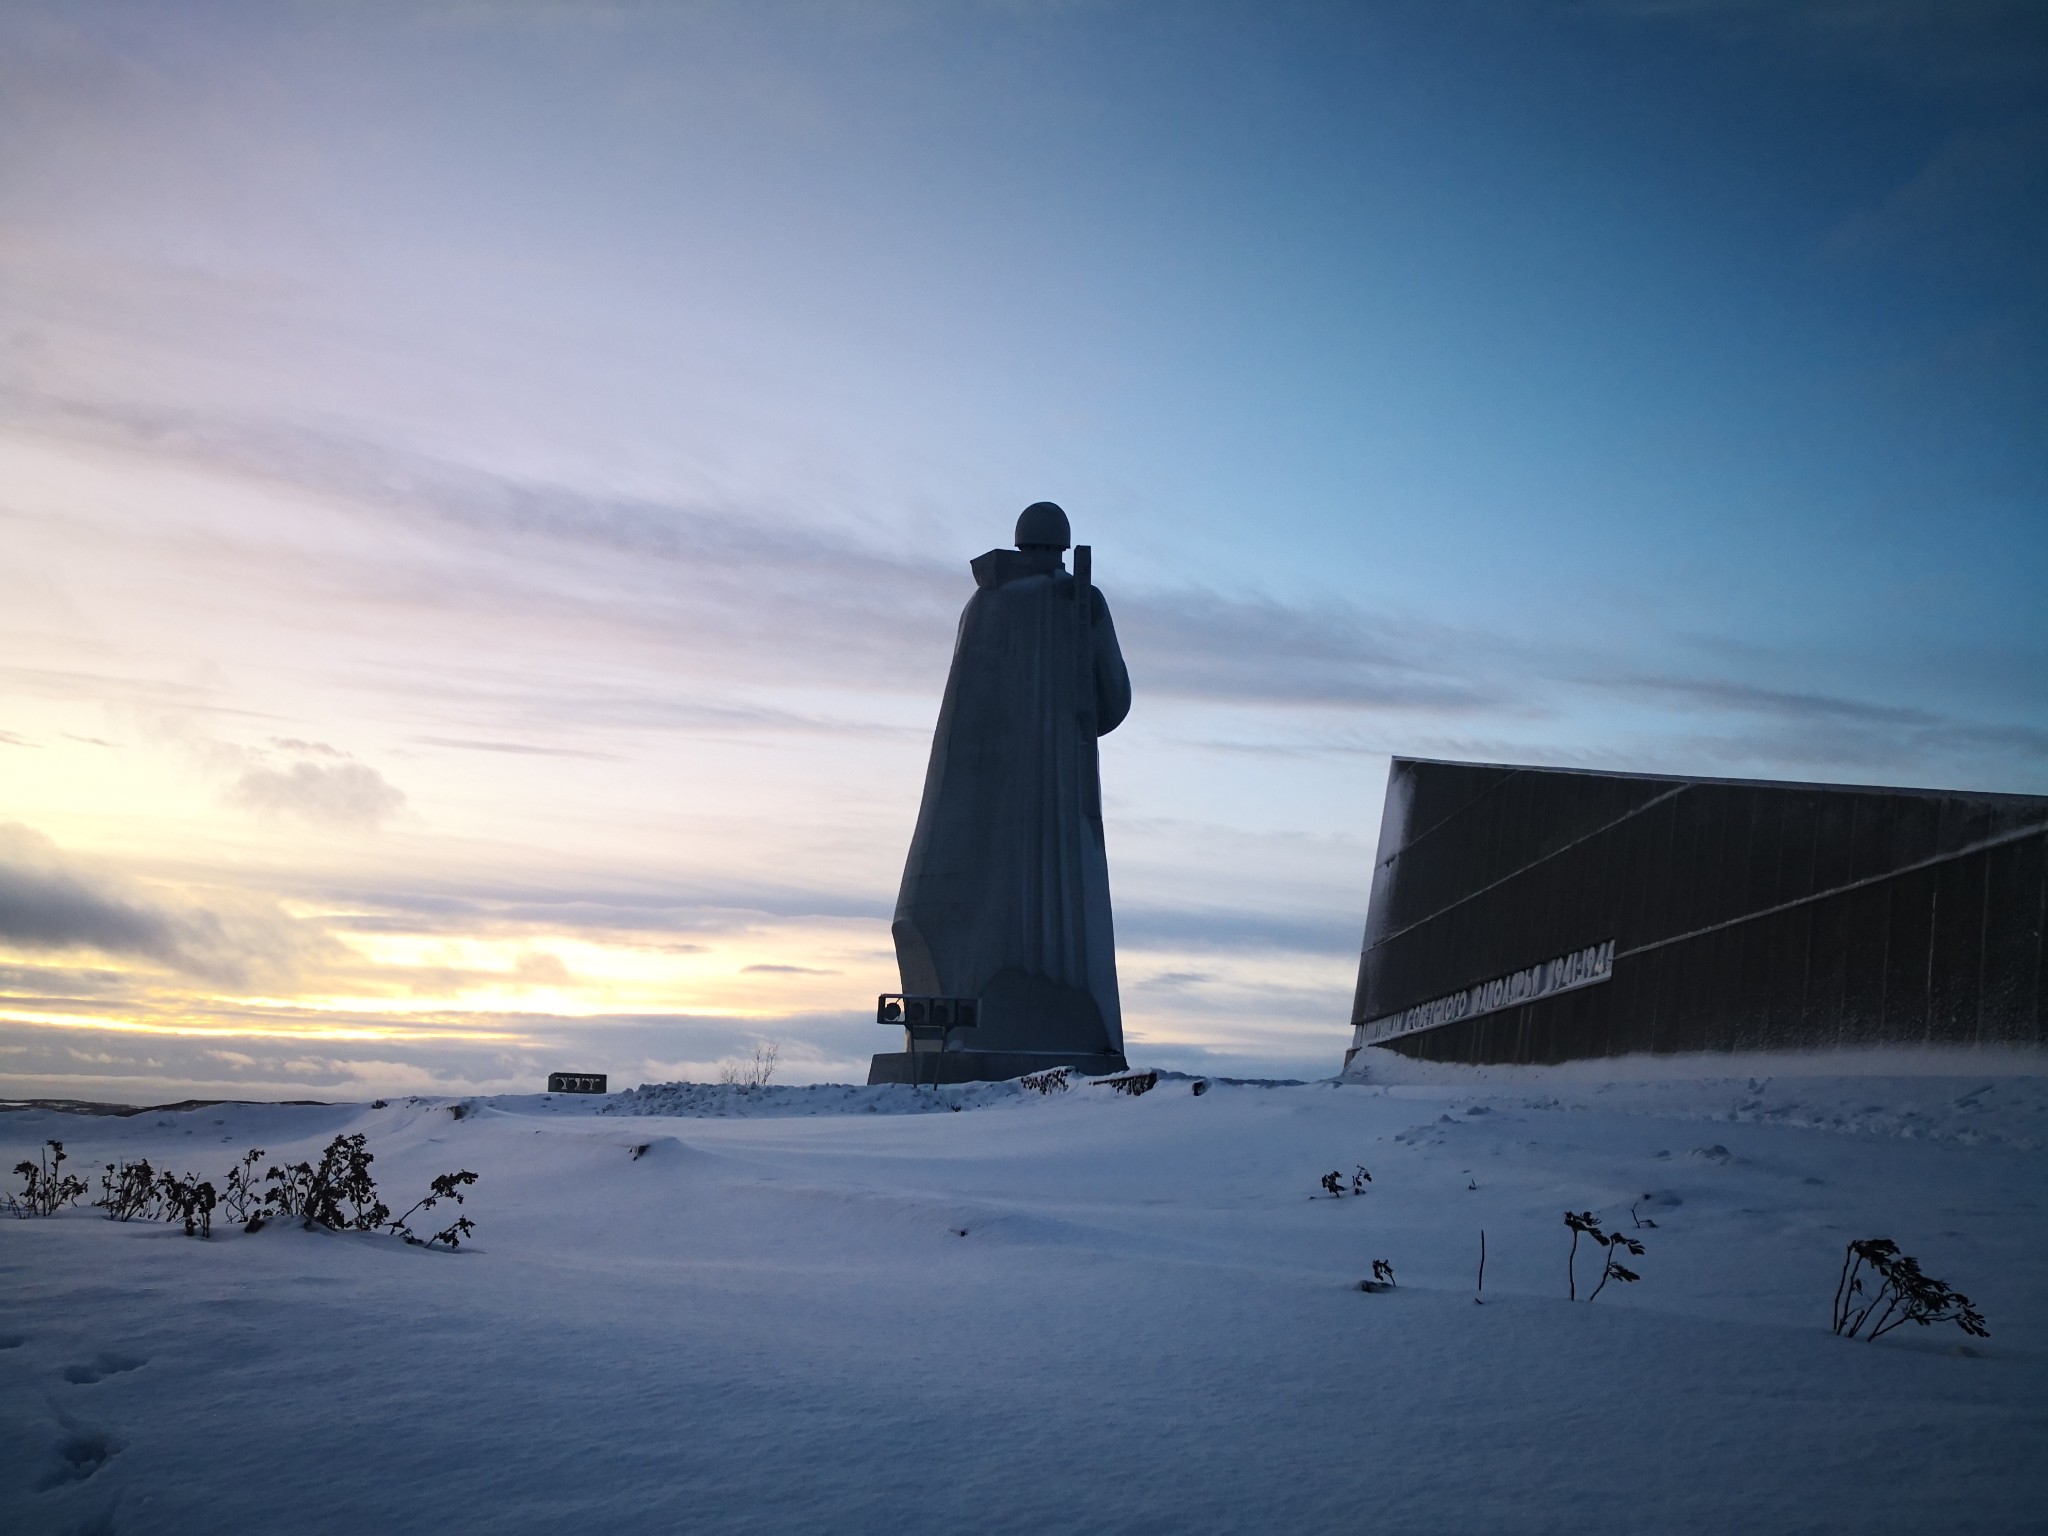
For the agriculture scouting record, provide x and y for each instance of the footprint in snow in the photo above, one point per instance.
(79, 1455)
(101, 1366)
(11, 1341)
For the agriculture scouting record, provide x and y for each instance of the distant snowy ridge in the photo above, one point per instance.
(1991, 1111)
(722, 1100)
(719, 1100)
(2002, 1112)
(1990, 1099)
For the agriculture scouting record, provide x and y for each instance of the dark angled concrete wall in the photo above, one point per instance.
(1742, 915)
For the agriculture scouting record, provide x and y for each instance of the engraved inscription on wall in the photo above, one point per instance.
(1581, 968)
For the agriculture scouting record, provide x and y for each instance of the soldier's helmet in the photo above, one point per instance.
(1042, 525)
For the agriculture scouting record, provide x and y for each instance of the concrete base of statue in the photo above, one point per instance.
(929, 1067)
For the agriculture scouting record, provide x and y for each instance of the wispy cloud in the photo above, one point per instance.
(512, 748)
(1753, 698)
(328, 794)
(772, 597)
(1210, 930)
(754, 595)
(1251, 650)
(1782, 728)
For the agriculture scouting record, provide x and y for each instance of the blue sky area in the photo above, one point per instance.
(485, 489)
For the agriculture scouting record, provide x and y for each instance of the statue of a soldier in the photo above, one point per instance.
(1005, 897)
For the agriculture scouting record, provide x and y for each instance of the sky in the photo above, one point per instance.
(486, 489)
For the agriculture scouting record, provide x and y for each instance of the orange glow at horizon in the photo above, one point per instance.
(275, 1031)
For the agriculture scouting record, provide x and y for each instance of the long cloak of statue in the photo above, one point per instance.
(1005, 895)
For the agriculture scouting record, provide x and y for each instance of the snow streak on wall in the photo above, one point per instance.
(1742, 915)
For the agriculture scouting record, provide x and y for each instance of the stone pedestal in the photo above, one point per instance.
(985, 1066)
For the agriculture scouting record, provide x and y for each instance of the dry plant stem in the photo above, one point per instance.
(756, 1073)
(1840, 1312)
(243, 1199)
(1610, 1268)
(1606, 1270)
(129, 1191)
(1904, 1294)
(447, 1186)
(46, 1189)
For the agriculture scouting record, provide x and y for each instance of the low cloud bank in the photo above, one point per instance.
(52, 901)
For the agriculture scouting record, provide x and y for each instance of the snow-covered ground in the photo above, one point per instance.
(707, 1310)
